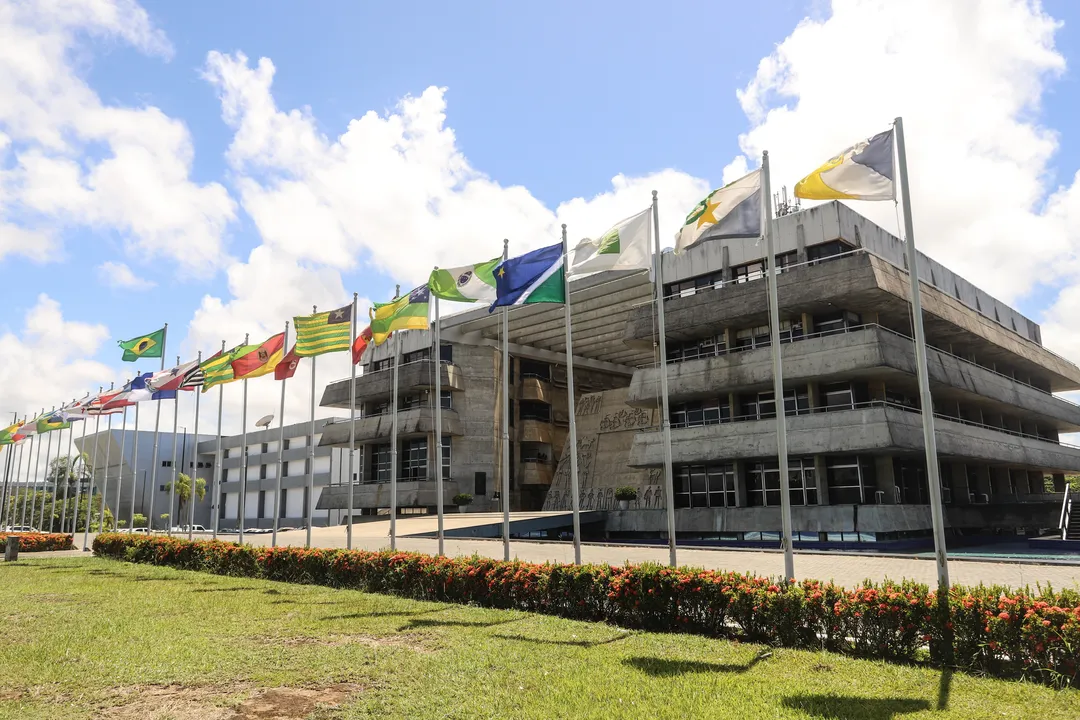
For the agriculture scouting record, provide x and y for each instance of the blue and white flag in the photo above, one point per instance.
(535, 277)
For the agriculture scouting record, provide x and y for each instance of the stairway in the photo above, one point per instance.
(1072, 532)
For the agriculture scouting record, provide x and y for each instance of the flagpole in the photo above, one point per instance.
(105, 484)
(78, 483)
(59, 438)
(575, 500)
(352, 423)
(195, 467)
(438, 427)
(926, 401)
(396, 337)
(45, 486)
(157, 428)
(506, 420)
(120, 471)
(215, 482)
(281, 446)
(27, 481)
(778, 370)
(37, 469)
(665, 415)
(134, 469)
(172, 485)
(7, 477)
(241, 500)
(90, 482)
(311, 453)
(13, 509)
(67, 480)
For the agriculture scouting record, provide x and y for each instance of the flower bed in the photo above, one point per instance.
(38, 542)
(1004, 632)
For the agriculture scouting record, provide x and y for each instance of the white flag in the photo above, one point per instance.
(733, 211)
(623, 247)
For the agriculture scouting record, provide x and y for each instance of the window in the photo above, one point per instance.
(447, 400)
(221, 506)
(285, 469)
(416, 355)
(414, 459)
(262, 505)
(704, 486)
(790, 330)
(380, 462)
(410, 402)
(763, 484)
(837, 395)
(755, 337)
(377, 408)
(281, 503)
(690, 286)
(265, 448)
(384, 364)
(535, 369)
(827, 250)
(446, 457)
(701, 412)
(533, 452)
(535, 410)
(759, 407)
(262, 473)
(166, 463)
(796, 401)
(286, 445)
(748, 272)
(802, 484)
(836, 322)
(850, 479)
(446, 352)
(225, 454)
(693, 349)
(785, 260)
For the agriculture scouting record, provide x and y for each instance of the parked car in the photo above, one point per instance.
(184, 528)
(21, 529)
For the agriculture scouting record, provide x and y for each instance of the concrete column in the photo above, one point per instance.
(741, 499)
(733, 404)
(725, 264)
(729, 338)
(1000, 487)
(961, 491)
(822, 477)
(800, 244)
(886, 478)
(1059, 482)
(813, 394)
(1036, 484)
(807, 323)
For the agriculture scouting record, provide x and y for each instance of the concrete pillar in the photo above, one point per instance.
(821, 475)
(11, 548)
(807, 323)
(741, 499)
(961, 491)
(733, 405)
(813, 394)
(729, 338)
(725, 261)
(800, 244)
(1059, 482)
(886, 478)
(1036, 483)
(1000, 485)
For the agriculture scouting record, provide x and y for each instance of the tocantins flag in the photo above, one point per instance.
(471, 283)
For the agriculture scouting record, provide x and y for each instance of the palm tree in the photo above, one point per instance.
(183, 491)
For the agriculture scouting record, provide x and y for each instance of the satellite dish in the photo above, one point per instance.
(264, 421)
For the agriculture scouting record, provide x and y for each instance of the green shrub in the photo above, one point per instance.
(626, 492)
(462, 499)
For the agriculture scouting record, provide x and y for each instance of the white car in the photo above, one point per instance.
(20, 529)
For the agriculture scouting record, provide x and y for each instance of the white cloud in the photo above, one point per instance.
(119, 275)
(968, 78)
(73, 161)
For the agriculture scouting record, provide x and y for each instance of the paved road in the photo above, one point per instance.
(845, 569)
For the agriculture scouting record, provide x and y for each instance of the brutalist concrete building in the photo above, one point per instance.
(857, 469)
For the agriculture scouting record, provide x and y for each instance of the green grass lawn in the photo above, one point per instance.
(90, 638)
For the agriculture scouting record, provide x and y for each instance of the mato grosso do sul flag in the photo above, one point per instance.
(151, 345)
(733, 211)
(535, 277)
(323, 332)
(864, 171)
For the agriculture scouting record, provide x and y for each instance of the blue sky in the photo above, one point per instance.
(556, 98)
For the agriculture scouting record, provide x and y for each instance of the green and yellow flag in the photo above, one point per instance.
(409, 312)
(218, 370)
(324, 332)
(46, 423)
(144, 346)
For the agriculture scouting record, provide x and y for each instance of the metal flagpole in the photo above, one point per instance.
(393, 444)
(665, 414)
(438, 426)
(506, 420)
(575, 500)
(195, 469)
(13, 510)
(778, 370)
(37, 469)
(90, 483)
(311, 454)
(352, 423)
(172, 485)
(7, 478)
(56, 484)
(78, 483)
(105, 483)
(45, 486)
(215, 482)
(134, 470)
(120, 471)
(29, 473)
(280, 448)
(67, 480)
(157, 426)
(926, 401)
(241, 500)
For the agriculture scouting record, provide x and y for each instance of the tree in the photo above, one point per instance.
(139, 521)
(183, 490)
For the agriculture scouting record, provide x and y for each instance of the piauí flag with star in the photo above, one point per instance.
(864, 171)
(252, 361)
(471, 283)
(623, 247)
(324, 332)
(217, 370)
(733, 211)
(535, 277)
(408, 312)
(144, 346)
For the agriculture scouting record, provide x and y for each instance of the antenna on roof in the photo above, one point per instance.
(783, 205)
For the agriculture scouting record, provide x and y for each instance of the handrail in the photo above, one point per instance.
(1066, 510)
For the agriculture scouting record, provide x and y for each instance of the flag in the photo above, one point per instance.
(323, 332)
(535, 277)
(144, 346)
(287, 367)
(623, 247)
(471, 283)
(733, 211)
(864, 171)
(252, 361)
(194, 378)
(217, 370)
(361, 344)
(165, 383)
(11, 434)
(53, 421)
(408, 312)
(99, 404)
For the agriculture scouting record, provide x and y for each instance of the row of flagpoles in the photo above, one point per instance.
(865, 171)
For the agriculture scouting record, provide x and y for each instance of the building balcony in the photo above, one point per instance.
(875, 427)
(535, 388)
(539, 431)
(379, 385)
(378, 428)
(535, 473)
(859, 352)
(410, 493)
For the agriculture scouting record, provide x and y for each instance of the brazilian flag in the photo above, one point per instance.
(144, 346)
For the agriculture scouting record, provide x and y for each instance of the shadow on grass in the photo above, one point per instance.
(663, 667)
(381, 613)
(225, 589)
(944, 686)
(419, 623)
(570, 643)
(845, 707)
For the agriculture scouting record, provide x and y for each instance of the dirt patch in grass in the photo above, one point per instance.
(411, 641)
(231, 702)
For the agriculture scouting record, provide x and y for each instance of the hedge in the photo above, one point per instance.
(993, 630)
(38, 542)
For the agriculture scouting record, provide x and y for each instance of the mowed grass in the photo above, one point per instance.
(88, 638)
